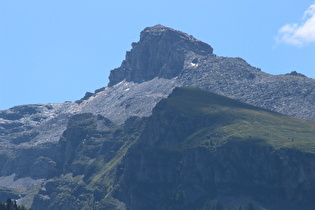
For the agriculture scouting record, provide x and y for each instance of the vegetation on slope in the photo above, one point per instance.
(234, 120)
(89, 151)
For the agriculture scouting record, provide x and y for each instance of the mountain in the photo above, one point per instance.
(198, 150)
(163, 59)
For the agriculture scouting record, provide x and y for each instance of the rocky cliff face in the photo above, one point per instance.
(235, 175)
(161, 52)
(162, 60)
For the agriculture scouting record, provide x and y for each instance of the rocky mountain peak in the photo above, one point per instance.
(160, 30)
(161, 52)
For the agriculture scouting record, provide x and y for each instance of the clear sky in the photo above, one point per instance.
(55, 51)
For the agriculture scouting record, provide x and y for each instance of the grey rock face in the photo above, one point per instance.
(232, 170)
(127, 99)
(161, 52)
(234, 78)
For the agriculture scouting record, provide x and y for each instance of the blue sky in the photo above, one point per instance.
(55, 51)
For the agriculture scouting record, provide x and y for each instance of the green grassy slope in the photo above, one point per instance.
(240, 122)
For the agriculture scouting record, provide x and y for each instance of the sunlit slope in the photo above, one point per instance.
(220, 120)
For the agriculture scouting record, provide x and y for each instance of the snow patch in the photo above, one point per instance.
(194, 64)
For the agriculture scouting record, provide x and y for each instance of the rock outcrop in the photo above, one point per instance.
(161, 52)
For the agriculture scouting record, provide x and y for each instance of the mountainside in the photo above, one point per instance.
(198, 150)
(163, 59)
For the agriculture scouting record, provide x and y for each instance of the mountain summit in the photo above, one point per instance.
(161, 52)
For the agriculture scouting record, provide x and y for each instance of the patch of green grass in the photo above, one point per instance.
(105, 168)
(196, 102)
(236, 120)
